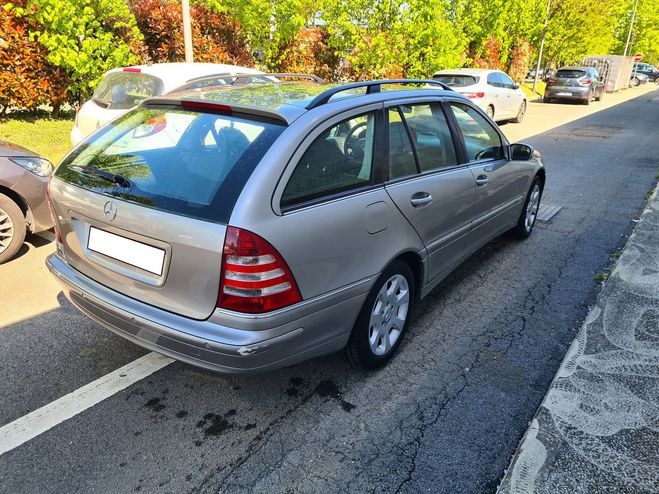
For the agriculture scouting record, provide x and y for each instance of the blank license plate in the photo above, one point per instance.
(564, 93)
(126, 250)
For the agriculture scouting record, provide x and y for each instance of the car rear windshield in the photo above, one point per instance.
(456, 80)
(124, 90)
(570, 74)
(166, 158)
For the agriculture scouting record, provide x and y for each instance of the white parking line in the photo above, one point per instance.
(39, 421)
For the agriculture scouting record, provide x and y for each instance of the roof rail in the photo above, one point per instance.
(241, 79)
(371, 87)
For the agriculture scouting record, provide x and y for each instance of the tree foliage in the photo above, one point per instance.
(27, 78)
(216, 37)
(86, 38)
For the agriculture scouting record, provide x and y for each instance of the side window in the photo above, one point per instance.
(401, 156)
(481, 139)
(494, 80)
(507, 81)
(431, 136)
(338, 160)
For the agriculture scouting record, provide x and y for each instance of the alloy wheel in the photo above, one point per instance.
(6, 230)
(389, 314)
(532, 208)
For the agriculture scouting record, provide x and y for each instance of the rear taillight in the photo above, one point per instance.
(255, 277)
(585, 82)
(473, 95)
(135, 70)
(58, 235)
(551, 81)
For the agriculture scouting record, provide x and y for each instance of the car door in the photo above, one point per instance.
(427, 182)
(495, 88)
(499, 181)
(512, 96)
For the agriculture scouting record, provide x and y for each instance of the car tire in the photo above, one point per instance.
(634, 82)
(600, 95)
(546, 100)
(490, 112)
(587, 100)
(529, 213)
(375, 336)
(520, 113)
(12, 228)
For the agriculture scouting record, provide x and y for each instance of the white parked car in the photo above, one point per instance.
(124, 88)
(492, 90)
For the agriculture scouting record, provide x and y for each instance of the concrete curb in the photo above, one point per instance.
(597, 429)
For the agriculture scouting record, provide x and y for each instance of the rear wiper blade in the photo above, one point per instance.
(115, 178)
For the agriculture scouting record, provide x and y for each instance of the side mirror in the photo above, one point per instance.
(521, 152)
(515, 85)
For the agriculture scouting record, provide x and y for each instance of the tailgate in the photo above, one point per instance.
(163, 259)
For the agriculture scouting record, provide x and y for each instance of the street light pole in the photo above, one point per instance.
(187, 31)
(631, 27)
(542, 46)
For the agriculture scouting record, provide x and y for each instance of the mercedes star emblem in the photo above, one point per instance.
(110, 210)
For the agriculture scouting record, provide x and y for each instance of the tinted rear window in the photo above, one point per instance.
(185, 162)
(570, 74)
(124, 90)
(456, 80)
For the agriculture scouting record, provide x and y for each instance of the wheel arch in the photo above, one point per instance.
(416, 264)
(22, 204)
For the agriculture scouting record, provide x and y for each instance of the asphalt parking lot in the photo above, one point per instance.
(444, 416)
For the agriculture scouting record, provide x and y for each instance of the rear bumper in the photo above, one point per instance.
(579, 93)
(314, 328)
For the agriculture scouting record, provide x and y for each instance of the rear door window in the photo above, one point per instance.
(339, 160)
(174, 160)
(430, 135)
(482, 141)
(507, 81)
(124, 90)
(494, 80)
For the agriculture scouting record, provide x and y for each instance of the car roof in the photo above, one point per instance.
(576, 67)
(175, 74)
(465, 71)
(284, 101)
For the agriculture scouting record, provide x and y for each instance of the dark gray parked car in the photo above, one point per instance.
(248, 228)
(23, 206)
(575, 83)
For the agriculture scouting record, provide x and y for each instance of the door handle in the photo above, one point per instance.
(482, 180)
(420, 199)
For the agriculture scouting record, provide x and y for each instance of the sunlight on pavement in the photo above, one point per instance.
(27, 288)
(541, 117)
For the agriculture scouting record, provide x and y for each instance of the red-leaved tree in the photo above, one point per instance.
(216, 37)
(27, 79)
(310, 53)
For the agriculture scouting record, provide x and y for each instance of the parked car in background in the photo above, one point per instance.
(492, 90)
(638, 79)
(575, 83)
(23, 204)
(287, 221)
(649, 70)
(124, 88)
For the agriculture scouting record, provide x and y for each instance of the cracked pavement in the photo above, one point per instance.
(445, 416)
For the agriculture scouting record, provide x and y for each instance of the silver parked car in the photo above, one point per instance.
(278, 222)
(575, 83)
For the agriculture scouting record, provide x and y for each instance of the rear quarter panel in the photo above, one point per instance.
(328, 245)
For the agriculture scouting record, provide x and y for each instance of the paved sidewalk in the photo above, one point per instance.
(597, 429)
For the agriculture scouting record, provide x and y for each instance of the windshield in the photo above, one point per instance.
(167, 158)
(456, 80)
(124, 90)
(570, 74)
